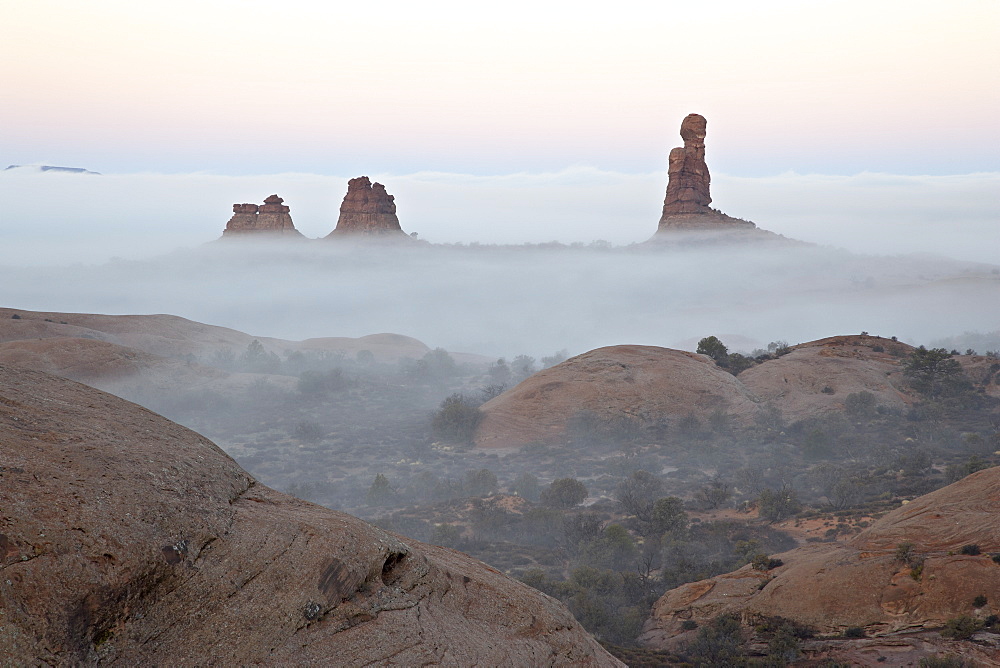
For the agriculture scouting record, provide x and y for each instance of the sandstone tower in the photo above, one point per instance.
(270, 218)
(367, 210)
(686, 205)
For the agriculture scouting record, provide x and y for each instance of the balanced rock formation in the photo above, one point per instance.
(908, 573)
(686, 205)
(127, 539)
(367, 210)
(271, 217)
(644, 384)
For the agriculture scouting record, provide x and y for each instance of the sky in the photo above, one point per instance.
(866, 126)
(251, 87)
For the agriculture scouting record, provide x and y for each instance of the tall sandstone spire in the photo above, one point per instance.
(686, 205)
(367, 210)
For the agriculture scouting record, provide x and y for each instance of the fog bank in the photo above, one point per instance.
(53, 218)
(534, 300)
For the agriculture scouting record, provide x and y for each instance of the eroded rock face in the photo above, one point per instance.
(688, 187)
(367, 209)
(686, 205)
(271, 217)
(863, 582)
(128, 539)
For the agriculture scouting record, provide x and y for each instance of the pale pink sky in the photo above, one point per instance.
(252, 87)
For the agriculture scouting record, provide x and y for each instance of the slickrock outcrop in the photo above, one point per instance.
(180, 338)
(367, 210)
(864, 582)
(127, 539)
(686, 205)
(816, 377)
(646, 384)
(271, 217)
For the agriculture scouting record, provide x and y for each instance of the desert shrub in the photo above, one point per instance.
(457, 420)
(962, 628)
(775, 505)
(946, 661)
(716, 493)
(714, 348)
(860, 404)
(971, 550)
(526, 486)
(762, 562)
(314, 383)
(934, 373)
(689, 625)
(720, 643)
(668, 515)
(564, 493)
(638, 492)
(381, 491)
(854, 632)
(979, 601)
(482, 482)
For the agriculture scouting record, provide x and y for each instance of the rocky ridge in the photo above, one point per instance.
(650, 385)
(127, 539)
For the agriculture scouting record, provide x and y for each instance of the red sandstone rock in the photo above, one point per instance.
(646, 384)
(686, 205)
(688, 187)
(271, 217)
(862, 583)
(367, 209)
(126, 539)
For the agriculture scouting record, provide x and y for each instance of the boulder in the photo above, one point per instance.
(127, 539)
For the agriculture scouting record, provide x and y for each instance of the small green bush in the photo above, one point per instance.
(854, 632)
(962, 628)
(979, 601)
(971, 550)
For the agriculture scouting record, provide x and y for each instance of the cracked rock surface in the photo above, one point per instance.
(126, 539)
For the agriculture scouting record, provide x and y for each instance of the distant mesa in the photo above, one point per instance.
(50, 168)
(367, 210)
(270, 218)
(686, 205)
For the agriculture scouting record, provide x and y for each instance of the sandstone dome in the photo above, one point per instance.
(645, 383)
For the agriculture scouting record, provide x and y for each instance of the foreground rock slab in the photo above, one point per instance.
(126, 539)
(900, 580)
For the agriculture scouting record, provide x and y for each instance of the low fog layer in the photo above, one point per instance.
(53, 218)
(533, 300)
